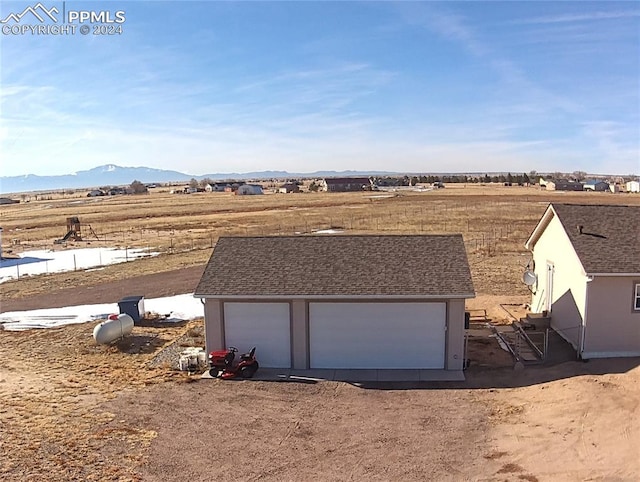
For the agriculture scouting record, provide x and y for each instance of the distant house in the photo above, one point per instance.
(249, 189)
(223, 186)
(596, 185)
(289, 187)
(633, 186)
(564, 185)
(346, 184)
(586, 260)
(6, 200)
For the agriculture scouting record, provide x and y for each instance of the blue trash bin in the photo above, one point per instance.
(132, 306)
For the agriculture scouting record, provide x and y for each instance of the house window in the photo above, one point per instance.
(636, 302)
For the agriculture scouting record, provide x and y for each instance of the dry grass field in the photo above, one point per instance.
(70, 410)
(495, 222)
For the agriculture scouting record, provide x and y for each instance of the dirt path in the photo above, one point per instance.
(215, 429)
(151, 286)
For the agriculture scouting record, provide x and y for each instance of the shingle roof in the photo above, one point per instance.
(347, 180)
(416, 266)
(610, 239)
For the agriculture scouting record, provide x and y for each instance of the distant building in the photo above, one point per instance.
(223, 186)
(249, 189)
(6, 200)
(289, 187)
(564, 185)
(346, 184)
(633, 186)
(596, 185)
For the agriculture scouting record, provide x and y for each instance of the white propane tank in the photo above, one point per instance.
(117, 326)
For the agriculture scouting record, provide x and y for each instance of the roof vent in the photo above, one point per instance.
(580, 228)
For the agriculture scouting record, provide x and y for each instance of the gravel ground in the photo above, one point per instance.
(170, 355)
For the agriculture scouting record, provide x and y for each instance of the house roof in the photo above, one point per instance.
(340, 266)
(347, 180)
(610, 238)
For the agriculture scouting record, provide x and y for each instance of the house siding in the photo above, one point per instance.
(615, 330)
(569, 282)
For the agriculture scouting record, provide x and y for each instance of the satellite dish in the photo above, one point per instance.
(529, 278)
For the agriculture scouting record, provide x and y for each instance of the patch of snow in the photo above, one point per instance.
(329, 231)
(175, 308)
(47, 261)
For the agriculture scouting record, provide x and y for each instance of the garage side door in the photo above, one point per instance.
(377, 335)
(266, 326)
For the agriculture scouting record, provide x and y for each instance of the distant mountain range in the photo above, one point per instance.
(112, 175)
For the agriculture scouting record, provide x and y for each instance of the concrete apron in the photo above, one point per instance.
(353, 375)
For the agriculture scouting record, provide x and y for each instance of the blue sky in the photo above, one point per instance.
(204, 87)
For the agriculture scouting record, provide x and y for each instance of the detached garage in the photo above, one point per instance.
(339, 302)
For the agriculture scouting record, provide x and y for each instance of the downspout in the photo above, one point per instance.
(584, 321)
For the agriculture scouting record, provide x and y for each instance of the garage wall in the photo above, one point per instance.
(455, 335)
(299, 334)
(300, 357)
(213, 330)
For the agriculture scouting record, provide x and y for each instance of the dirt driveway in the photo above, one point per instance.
(214, 429)
(571, 422)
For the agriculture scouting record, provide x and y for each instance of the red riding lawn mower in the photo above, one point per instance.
(222, 365)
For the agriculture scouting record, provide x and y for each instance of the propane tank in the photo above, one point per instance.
(115, 327)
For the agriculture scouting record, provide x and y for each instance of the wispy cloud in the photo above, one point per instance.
(579, 17)
(449, 25)
(458, 29)
(438, 87)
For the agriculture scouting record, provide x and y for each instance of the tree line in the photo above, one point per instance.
(508, 178)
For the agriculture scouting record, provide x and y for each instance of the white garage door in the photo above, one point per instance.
(377, 335)
(266, 326)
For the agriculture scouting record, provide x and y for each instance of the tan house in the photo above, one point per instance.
(586, 260)
(341, 302)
